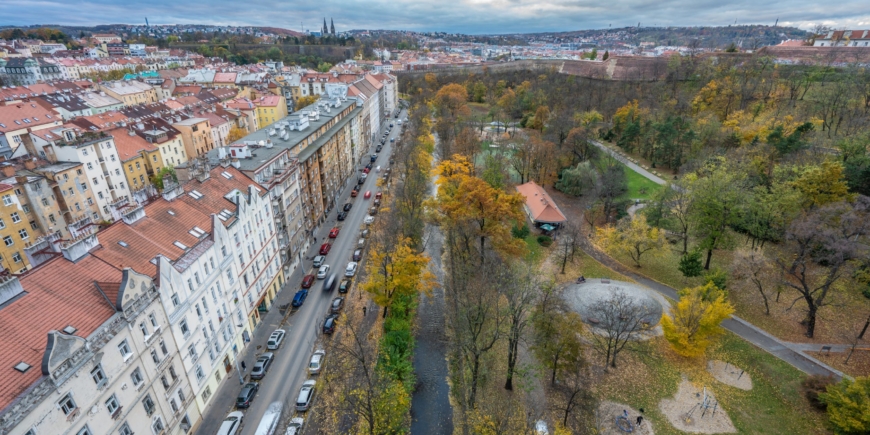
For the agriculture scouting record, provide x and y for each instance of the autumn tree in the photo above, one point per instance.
(396, 270)
(820, 250)
(754, 270)
(694, 321)
(235, 134)
(634, 237)
(535, 159)
(574, 400)
(620, 320)
(848, 405)
(557, 342)
(519, 290)
(305, 101)
(570, 236)
(822, 184)
(542, 115)
(716, 196)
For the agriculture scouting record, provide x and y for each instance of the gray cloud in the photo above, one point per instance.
(465, 16)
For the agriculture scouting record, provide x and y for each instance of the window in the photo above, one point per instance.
(112, 404)
(211, 261)
(181, 394)
(15, 217)
(184, 329)
(138, 166)
(192, 351)
(18, 192)
(84, 187)
(163, 348)
(90, 201)
(165, 382)
(136, 376)
(153, 320)
(143, 328)
(175, 301)
(23, 234)
(67, 404)
(78, 207)
(51, 218)
(223, 250)
(190, 284)
(95, 181)
(84, 431)
(142, 179)
(90, 166)
(26, 208)
(100, 195)
(199, 374)
(155, 357)
(124, 348)
(8, 240)
(196, 277)
(7, 199)
(198, 312)
(148, 403)
(229, 275)
(173, 406)
(2, 224)
(131, 167)
(206, 394)
(34, 226)
(98, 376)
(125, 429)
(204, 304)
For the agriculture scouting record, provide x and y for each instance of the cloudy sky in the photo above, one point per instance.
(465, 16)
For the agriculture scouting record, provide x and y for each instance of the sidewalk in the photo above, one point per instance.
(635, 167)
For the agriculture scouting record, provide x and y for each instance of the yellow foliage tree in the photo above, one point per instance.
(822, 184)
(399, 271)
(849, 405)
(633, 237)
(235, 134)
(307, 100)
(694, 321)
(542, 116)
(629, 113)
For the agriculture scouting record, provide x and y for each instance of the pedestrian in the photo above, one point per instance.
(639, 420)
(625, 413)
(315, 240)
(364, 310)
(244, 367)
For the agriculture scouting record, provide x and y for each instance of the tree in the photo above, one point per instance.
(716, 197)
(569, 238)
(694, 321)
(574, 400)
(606, 55)
(822, 184)
(556, 328)
(164, 173)
(611, 184)
(579, 180)
(235, 134)
(634, 237)
(620, 320)
(849, 405)
(542, 115)
(820, 250)
(519, 291)
(399, 271)
(690, 264)
(305, 101)
(755, 270)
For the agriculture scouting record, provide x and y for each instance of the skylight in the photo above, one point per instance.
(195, 194)
(197, 232)
(22, 367)
(227, 175)
(179, 245)
(171, 212)
(123, 243)
(69, 330)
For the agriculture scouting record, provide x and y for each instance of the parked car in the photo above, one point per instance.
(354, 192)
(306, 394)
(392, 140)
(295, 426)
(391, 125)
(299, 298)
(329, 325)
(377, 203)
(364, 233)
(333, 233)
(247, 395)
(307, 280)
(344, 286)
(361, 242)
(269, 423)
(374, 157)
(350, 270)
(348, 206)
(277, 336)
(379, 195)
(318, 260)
(324, 248)
(316, 362)
(342, 216)
(231, 424)
(379, 148)
(357, 255)
(337, 305)
(321, 273)
(262, 365)
(373, 211)
(368, 194)
(369, 219)
(329, 283)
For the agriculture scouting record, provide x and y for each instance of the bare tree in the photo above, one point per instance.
(573, 400)
(520, 290)
(619, 320)
(752, 268)
(569, 239)
(820, 249)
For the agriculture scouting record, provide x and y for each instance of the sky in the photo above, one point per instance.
(455, 16)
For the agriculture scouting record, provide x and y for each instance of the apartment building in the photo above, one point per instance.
(17, 120)
(77, 209)
(14, 230)
(130, 92)
(270, 108)
(168, 141)
(134, 151)
(195, 135)
(90, 353)
(248, 109)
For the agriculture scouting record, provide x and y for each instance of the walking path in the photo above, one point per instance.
(792, 353)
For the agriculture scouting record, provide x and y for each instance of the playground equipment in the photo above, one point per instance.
(707, 404)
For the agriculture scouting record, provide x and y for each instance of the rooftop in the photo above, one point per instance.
(540, 205)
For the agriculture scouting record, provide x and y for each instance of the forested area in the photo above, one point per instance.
(766, 215)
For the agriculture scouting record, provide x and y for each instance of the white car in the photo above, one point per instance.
(231, 424)
(351, 269)
(275, 339)
(306, 394)
(369, 219)
(321, 273)
(316, 362)
(295, 426)
(541, 428)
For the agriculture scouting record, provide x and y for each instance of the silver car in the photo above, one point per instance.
(316, 362)
(275, 339)
(306, 394)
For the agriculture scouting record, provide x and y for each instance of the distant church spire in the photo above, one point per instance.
(325, 29)
(331, 27)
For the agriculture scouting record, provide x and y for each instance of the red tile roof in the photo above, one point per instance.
(59, 293)
(35, 114)
(540, 205)
(130, 146)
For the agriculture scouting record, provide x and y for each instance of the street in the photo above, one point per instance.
(290, 367)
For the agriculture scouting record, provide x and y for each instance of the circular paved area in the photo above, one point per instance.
(582, 297)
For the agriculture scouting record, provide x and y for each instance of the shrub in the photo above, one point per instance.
(814, 385)
(520, 232)
(718, 277)
(545, 241)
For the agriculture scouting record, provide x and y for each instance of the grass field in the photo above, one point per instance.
(639, 187)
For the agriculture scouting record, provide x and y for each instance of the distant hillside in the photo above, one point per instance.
(709, 37)
(280, 31)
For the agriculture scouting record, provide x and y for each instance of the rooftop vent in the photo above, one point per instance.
(69, 330)
(171, 212)
(22, 367)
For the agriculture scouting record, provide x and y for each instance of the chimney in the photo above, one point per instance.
(8, 171)
(10, 288)
(30, 164)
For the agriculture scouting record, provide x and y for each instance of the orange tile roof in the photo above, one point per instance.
(35, 114)
(268, 101)
(540, 205)
(59, 293)
(225, 77)
(156, 233)
(104, 120)
(130, 146)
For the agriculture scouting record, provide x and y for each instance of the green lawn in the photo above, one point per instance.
(639, 187)
(535, 248)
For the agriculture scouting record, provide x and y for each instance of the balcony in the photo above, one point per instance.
(117, 413)
(165, 362)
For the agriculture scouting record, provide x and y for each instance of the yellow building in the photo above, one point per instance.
(69, 186)
(196, 136)
(270, 108)
(168, 141)
(130, 92)
(133, 152)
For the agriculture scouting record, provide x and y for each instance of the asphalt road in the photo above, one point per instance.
(290, 367)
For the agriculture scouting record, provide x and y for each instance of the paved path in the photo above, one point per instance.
(634, 166)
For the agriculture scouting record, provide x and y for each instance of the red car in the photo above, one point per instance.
(324, 248)
(368, 194)
(307, 281)
(378, 195)
(334, 233)
(366, 171)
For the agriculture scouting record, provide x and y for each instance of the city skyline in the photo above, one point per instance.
(469, 16)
